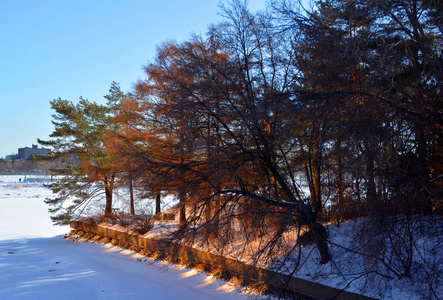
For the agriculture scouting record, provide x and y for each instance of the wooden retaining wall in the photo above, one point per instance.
(237, 268)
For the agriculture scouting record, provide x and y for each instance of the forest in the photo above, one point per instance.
(277, 123)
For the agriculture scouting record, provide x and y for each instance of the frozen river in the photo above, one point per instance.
(36, 262)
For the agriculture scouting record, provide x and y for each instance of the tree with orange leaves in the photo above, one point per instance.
(130, 132)
(220, 107)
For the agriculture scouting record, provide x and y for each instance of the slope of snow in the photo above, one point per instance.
(36, 262)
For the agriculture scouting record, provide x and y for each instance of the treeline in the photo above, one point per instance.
(273, 121)
(37, 165)
(23, 167)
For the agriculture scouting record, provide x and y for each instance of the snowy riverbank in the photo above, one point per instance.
(36, 262)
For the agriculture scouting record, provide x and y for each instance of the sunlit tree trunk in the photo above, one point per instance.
(108, 195)
(131, 194)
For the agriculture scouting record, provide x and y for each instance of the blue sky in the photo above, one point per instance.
(68, 49)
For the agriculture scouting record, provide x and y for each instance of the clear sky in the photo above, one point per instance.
(73, 48)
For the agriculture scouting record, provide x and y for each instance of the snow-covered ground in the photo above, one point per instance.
(36, 262)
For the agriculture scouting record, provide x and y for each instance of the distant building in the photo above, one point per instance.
(28, 153)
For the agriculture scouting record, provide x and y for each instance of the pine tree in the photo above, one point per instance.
(88, 170)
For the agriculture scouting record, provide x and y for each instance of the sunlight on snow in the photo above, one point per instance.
(190, 273)
(226, 288)
(127, 252)
(113, 249)
(180, 267)
(164, 263)
(210, 279)
(138, 255)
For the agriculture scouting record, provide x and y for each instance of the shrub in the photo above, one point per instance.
(143, 223)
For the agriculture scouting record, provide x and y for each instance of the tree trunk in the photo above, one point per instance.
(423, 200)
(424, 204)
(317, 202)
(339, 177)
(108, 207)
(320, 239)
(318, 232)
(109, 189)
(131, 194)
(311, 162)
(215, 231)
(157, 204)
(182, 205)
(371, 194)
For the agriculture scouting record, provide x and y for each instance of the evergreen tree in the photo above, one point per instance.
(88, 170)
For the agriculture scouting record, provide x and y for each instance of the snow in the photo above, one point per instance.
(349, 271)
(54, 268)
(37, 262)
(23, 213)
